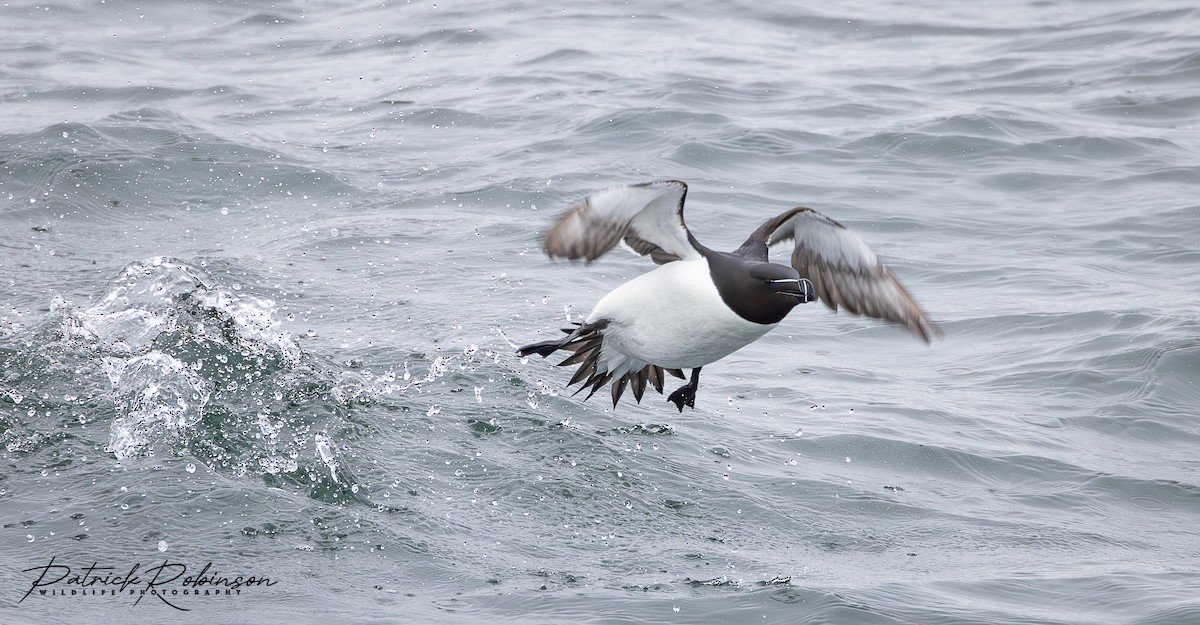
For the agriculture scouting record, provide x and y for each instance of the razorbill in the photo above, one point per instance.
(701, 305)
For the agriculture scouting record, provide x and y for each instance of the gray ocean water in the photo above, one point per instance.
(263, 266)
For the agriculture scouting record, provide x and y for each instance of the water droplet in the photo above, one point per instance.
(333, 232)
(191, 467)
(224, 210)
(162, 545)
(847, 458)
(29, 537)
(323, 447)
(799, 432)
(675, 608)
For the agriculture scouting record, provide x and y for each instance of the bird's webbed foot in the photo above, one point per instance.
(686, 394)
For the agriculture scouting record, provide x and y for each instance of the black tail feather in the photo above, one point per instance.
(585, 372)
(637, 385)
(541, 349)
(618, 388)
(578, 357)
(586, 341)
(656, 377)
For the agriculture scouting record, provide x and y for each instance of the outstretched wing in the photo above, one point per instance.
(648, 217)
(844, 270)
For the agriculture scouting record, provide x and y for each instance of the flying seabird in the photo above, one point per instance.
(701, 305)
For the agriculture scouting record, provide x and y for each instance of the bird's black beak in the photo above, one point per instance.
(805, 291)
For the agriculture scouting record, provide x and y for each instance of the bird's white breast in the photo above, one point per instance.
(672, 317)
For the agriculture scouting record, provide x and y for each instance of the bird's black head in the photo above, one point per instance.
(757, 291)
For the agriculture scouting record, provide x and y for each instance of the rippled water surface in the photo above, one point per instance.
(263, 266)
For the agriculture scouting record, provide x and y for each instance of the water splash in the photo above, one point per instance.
(172, 339)
(355, 386)
(141, 304)
(158, 397)
(160, 296)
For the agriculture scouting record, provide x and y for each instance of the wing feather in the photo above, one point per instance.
(647, 217)
(844, 270)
